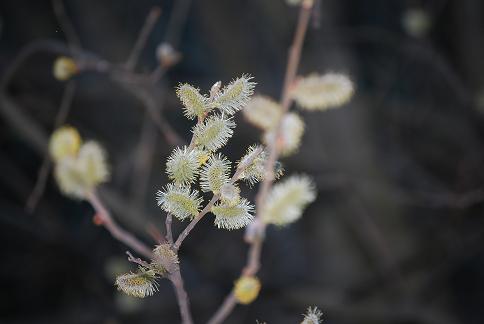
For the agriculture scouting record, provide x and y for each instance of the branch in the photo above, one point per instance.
(253, 259)
(181, 296)
(116, 231)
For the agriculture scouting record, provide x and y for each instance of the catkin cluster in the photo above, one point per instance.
(199, 167)
(78, 167)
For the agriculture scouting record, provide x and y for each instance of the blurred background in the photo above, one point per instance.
(397, 232)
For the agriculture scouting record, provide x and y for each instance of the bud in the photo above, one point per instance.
(165, 259)
(64, 68)
(247, 289)
(167, 55)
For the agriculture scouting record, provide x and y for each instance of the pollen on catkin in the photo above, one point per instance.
(140, 284)
(233, 216)
(215, 173)
(291, 132)
(65, 141)
(246, 289)
(64, 68)
(179, 200)
(312, 316)
(182, 165)
(194, 103)
(214, 132)
(287, 200)
(235, 95)
(263, 112)
(321, 92)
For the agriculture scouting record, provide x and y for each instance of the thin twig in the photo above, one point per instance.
(140, 44)
(44, 170)
(116, 231)
(253, 259)
(169, 232)
(181, 296)
(194, 222)
(131, 258)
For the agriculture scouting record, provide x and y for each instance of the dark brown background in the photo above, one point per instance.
(396, 235)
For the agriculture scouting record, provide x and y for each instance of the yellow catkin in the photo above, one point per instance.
(64, 68)
(247, 289)
(64, 142)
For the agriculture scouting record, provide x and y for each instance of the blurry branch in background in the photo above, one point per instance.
(140, 44)
(44, 170)
(66, 103)
(105, 219)
(143, 87)
(67, 28)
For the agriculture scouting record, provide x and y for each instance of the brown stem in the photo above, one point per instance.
(226, 308)
(194, 222)
(169, 232)
(253, 259)
(181, 296)
(115, 230)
